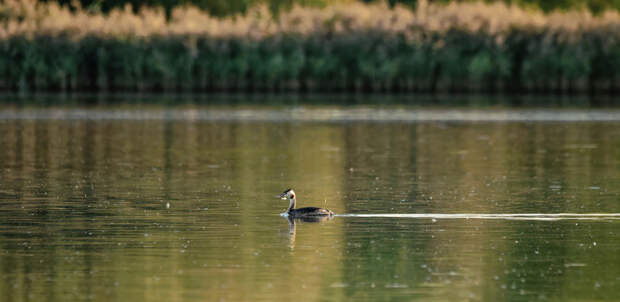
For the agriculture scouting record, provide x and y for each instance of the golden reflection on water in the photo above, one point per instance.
(172, 210)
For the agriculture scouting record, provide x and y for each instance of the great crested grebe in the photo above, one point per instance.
(303, 212)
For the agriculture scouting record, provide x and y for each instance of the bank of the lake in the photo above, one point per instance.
(462, 47)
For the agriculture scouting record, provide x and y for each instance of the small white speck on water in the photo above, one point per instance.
(594, 243)
(167, 205)
(396, 285)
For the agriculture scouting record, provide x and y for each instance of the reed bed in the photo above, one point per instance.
(460, 47)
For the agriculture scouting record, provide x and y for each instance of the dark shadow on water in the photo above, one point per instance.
(312, 219)
(287, 99)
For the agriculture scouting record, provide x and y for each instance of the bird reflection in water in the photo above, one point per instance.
(292, 225)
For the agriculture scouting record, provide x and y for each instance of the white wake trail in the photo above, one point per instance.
(518, 216)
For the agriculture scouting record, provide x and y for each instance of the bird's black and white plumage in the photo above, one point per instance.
(302, 212)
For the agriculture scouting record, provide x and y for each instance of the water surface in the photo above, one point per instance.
(152, 203)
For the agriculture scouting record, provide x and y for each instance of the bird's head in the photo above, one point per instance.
(288, 194)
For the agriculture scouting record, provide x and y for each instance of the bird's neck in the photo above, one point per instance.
(292, 205)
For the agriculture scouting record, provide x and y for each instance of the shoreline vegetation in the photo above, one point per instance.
(353, 47)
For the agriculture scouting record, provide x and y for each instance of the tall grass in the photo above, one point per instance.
(353, 47)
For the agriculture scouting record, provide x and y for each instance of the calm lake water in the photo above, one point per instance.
(156, 203)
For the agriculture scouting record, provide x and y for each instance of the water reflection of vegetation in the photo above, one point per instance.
(84, 206)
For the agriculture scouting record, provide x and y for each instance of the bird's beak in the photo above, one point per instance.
(282, 196)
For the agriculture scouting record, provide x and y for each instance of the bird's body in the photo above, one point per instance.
(302, 212)
(310, 211)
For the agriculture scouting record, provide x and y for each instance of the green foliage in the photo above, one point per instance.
(214, 7)
(367, 61)
(230, 7)
(595, 6)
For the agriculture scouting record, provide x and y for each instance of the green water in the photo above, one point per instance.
(156, 204)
